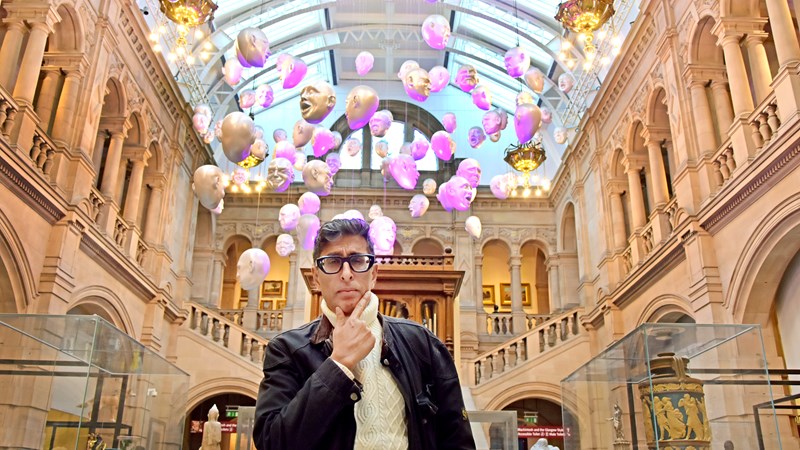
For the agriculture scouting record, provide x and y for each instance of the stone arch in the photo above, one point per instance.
(762, 263)
(634, 143)
(539, 242)
(616, 165)
(703, 48)
(427, 246)
(115, 100)
(487, 237)
(568, 236)
(534, 270)
(137, 134)
(68, 33)
(219, 386)
(545, 391)
(231, 291)
(105, 303)
(17, 284)
(658, 125)
(665, 306)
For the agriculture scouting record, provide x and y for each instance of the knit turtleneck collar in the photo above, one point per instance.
(369, 315)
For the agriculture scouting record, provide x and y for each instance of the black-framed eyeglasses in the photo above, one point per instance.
(359, 262)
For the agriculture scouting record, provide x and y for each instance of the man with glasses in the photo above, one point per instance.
(354, 379)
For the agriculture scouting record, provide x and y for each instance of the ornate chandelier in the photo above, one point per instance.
(526, 158)
(186, 14)
(585, 17)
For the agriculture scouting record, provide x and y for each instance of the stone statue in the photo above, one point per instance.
(542, 444)
(212, 431)
(616, 422)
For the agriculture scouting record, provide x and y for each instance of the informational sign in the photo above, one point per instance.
(542, 432)
(228, 426)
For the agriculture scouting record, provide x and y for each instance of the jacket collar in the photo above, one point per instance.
(324, 332)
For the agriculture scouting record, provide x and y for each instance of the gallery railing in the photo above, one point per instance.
(220, 330)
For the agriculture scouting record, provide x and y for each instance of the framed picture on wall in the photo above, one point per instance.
(505, 294)
(272, 288)
(488, 294)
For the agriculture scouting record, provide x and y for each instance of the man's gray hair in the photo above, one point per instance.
(335, 229)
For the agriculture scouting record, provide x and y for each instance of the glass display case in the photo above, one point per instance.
(674, 387)
(78, 382)
(494, 430)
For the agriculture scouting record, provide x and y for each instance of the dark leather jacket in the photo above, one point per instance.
(306, 402)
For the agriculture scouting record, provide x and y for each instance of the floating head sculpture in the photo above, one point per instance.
(364, 62)
(436, 31)
(476, 136)
(382, 233)
(534, 78)
(280, 174)
(362, 102)
(527, 119)
(308, 203)
(450, 122)
(439, 78)
(429, 186)
(482, 97)
(264, 95)
(418, 205)
(252, 47)
(307, 229)
(317, 176)
(467, 78)
(316, 101)
(517, 62)
(470, 169)
(380, 122)
(403, 169)
(292, 70)
(284, 245)
(443, 145)
(417, 84)
(302, 133)
(237, 136)
(208, 185)
(288, 216)
(252, 267)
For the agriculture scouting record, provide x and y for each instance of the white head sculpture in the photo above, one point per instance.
(350, 214)
(429, 186)
(237, 136)
(302, 133)
(534, 78)
(525, 97)
(382, 233)
(265, 96)
(207, 184)
(317, 176)
(560, 135)
(300, 159)
(317, 101)
(500, 187)
(353, 146)
(364, 62)
(252, 267)
(491, 122)
(247, 98)
(517, 62)
(280, 174)
(436, 31)
(259, 150)
(443, 145)
(467, 78)
(307, 228)
(309, 203)
(380, 122)
(288, 216)
(232, 72)
(471, 170)
(473, 226)
(547, 115)
(527, 119)
(284, 246)
(252, 47)
(565, 82)
(418, 205)
(375, 211)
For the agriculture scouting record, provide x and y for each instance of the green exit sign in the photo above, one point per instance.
(231, 414)
(531, 420)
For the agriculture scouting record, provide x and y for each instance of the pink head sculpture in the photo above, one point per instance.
(307, 229)
(503, 118)
(334, 162)
(417, 84)
(259, 133)
(470, 169)
(302, 132)
(527, 119)
(500, 187)
(491, 122)
(525, 97)
(322, 141)
(309, 203)
(279, 134)
(364, 62)
(429, 186)
(418, 205)
(352, 146)
(439, 78)
(292, 70)
(419, 148)
(476, 137)
(449, 121)
(362, 102)
(482, 97)
(467, 78)
(232, 72)
(565, 82)
(517, 62)
(436, 31)
(534, 78)
(264, 95)
(443, 145)
(285, 149)
(237, 136)
(280, 174)
(382, 148)
(382, 233)
(455, 194)
(406, 67)
(288, 216)
(252, 47)
(403, 169)
(202, 118)
(380, 122)
(316, 101)
(547, 115)
(247, 98)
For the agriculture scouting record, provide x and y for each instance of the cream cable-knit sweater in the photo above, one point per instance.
(380, 415)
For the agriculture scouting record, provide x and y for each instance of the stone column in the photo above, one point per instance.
(759, 65)
(618, 220)
(479, 282)
(556, 304)
(63, 126)
(47, 97)
(28, 77)
(722, 103)
(737, 74)
(637, 201)
(9, 52)
(131, 211)
(657, 171)
(704, 124)
(515, 262)
(153, 213)
(111, 173)
(783, 33)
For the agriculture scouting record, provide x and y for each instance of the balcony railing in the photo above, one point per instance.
(8, 112)
(226, 333)
(502, 324)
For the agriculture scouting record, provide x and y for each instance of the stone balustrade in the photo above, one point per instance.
(416, 262)
(501, 324)
(42, 152)
(8, 112)
(764, 122)
(724, 164)
(227, 333)
(526, 347)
